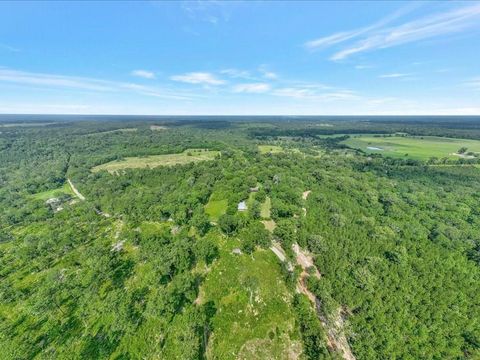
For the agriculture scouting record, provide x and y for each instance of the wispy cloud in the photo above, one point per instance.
(252, 88)
(394, 75)
(343, 36)
(83, 83)
(143, 74)
(473, 83)
(378, 36)
(310, 93)
(363, 67)
(212, 12)
(204, 78)
(266, 73)
(236, 73)
(8, 48)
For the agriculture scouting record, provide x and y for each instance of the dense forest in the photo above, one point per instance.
(289, 244)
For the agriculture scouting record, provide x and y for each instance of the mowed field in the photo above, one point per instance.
(216, 208)
(421, 148)
(45, 195)
(188, 156)
(269, 149)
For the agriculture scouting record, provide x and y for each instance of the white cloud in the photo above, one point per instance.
(473, 83)
(311, 93)
(198, 78)
(83, 83)
(235, 73)
(50, 80)
(270, 75)
(8, 48)
(252, 88)
(212, 12)
(343, 36)
(427, 27)
(267, 74)
(394, 75)
(362, 67)
(143, 74)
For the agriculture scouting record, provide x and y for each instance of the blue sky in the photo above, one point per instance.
(241, 58)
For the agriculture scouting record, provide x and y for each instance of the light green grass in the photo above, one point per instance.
(188, 156)
(269, 149)
(45, 195)
(421, 148)
(270, 225)
(265, 208)
(253, 318)
(216, 208)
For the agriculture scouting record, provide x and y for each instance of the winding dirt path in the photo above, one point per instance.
(336, 339)
(75, 191)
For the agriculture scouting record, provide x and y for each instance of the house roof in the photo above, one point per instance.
(242, 205)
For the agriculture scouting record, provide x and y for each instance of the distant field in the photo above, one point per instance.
(188, 156)
(216, 208)
(157, 128)
(124, 130)
(269, 149)
(421, 148)
(45, 195)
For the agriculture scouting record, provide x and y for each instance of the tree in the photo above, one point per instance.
(228, 223)
(206, 250)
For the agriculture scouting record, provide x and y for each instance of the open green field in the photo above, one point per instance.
(253, 319)
(188, 156)
(265, 208)
(45, 195)
(216, 208)
(421, 148)
(269, 149)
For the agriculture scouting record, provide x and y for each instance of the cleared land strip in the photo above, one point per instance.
(336, 338)
(152, 161)
(75, 191)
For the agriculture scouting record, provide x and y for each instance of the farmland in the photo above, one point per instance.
(269, 149)
(415, 147)
(152, 161)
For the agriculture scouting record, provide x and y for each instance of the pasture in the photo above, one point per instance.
(269, 149)
(216, 208)
(59, 192)
(152, 161)
(416, 147)
(265, 208)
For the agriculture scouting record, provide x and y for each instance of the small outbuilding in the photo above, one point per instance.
(242, 206)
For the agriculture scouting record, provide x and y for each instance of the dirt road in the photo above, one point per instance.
(75, 191)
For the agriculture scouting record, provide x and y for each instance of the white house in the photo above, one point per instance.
(242, 206)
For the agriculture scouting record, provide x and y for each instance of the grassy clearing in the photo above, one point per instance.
(269, 149)
(188, 156)
(265, 208)
(269, 225)
(421, 148)
(216, 208)
(45, 195)
(253, 318)
(157, 128)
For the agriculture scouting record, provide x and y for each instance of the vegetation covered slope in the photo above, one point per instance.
(159, 263)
